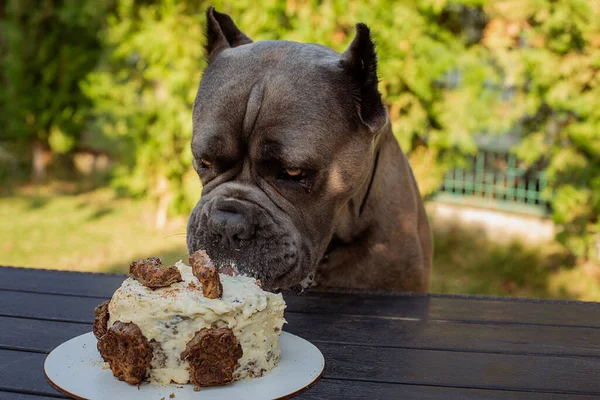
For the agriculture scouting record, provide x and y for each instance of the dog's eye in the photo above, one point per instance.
(293, 172)
(203, 163)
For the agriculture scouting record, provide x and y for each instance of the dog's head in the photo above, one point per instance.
(283, 138)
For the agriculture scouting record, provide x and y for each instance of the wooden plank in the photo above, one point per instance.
(427, 334)
(26, 334)
(431, 334)
(24, 396)
(452, 308)
(55, 307)
(410, 366)
(25, 374)
(37, 336)
(344, 389)
(467, 370)
(437, 335)
(22, 371)
(60, 282)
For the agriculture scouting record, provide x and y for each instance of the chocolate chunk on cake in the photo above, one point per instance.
(207, 274)
(205, 327)
(101, 320)
(152, 274)
(213, 354)
(127, 352)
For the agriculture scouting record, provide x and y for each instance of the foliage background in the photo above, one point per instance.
(118, 77)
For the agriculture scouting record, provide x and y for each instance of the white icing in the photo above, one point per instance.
(171, 316)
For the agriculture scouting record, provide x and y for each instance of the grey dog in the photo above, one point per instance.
(303, 181)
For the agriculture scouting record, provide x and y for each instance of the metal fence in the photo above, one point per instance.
(495, 178)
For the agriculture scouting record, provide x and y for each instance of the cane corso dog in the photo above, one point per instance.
(303, 181)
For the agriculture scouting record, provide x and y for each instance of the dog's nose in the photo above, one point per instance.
(230, 226)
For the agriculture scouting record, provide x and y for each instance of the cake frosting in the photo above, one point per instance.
(169, 317)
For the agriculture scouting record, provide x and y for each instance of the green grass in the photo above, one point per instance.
(92, 230)
(468, 262)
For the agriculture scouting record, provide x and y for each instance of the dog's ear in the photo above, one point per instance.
(360, 62)
(222, 33)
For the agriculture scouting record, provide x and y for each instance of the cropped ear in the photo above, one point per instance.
(222, 33)
(360, 62)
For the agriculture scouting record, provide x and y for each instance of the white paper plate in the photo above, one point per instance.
(75, 369)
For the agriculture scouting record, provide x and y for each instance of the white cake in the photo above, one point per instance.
(169, 317)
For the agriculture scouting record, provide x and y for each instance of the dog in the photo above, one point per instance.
(303, 181)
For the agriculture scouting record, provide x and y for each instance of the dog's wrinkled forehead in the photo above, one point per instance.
(291, 88)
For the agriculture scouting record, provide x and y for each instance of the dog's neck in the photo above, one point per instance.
(376, 151)
(381, 237)
(352, 218)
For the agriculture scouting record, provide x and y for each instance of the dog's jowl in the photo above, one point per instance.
(303, 181)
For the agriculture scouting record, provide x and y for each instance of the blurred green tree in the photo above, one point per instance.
(46, 48)
(143, 94)
(548, 54)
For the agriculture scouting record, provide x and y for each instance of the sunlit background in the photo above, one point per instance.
(496, 103)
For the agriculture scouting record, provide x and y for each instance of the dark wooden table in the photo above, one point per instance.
(375, 346)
